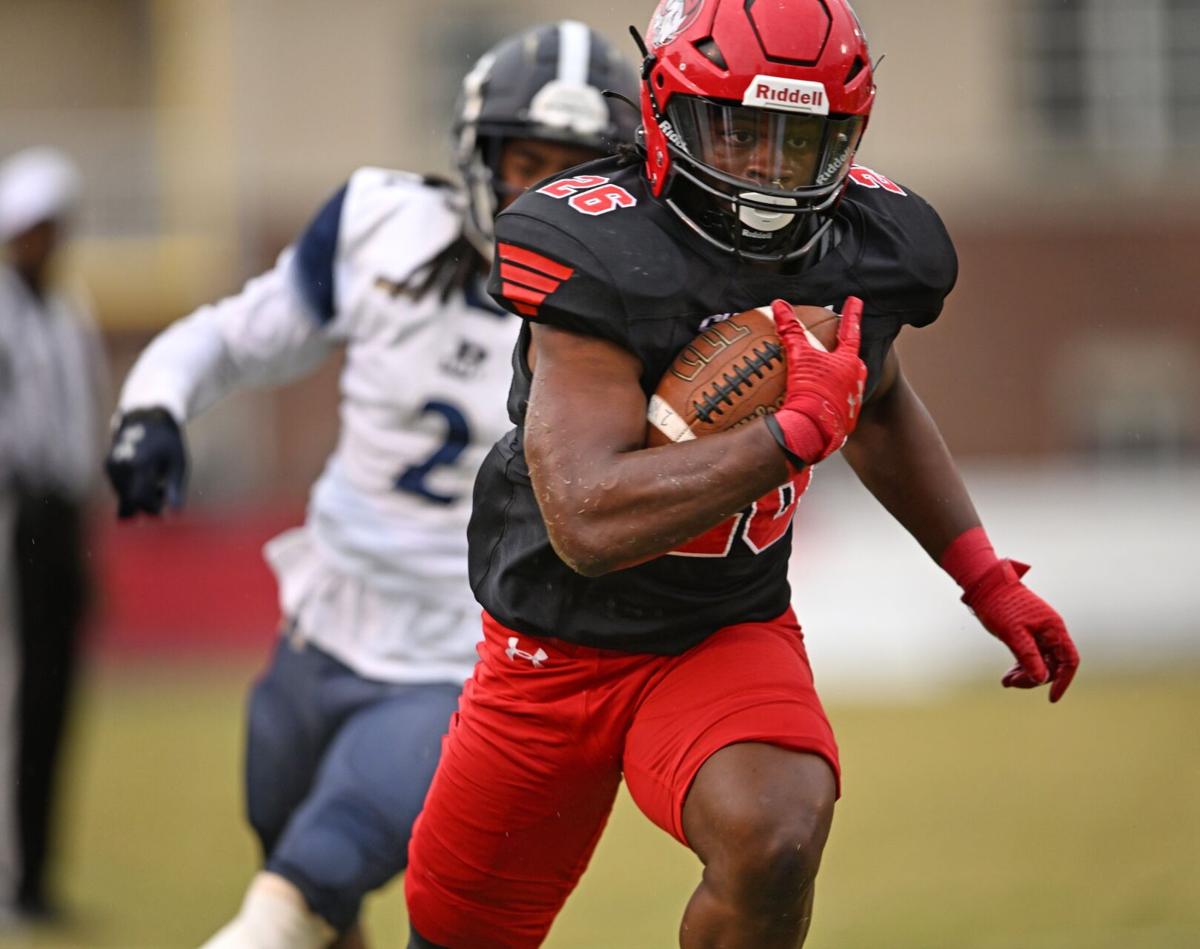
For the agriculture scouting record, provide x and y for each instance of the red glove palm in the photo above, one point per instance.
(1027, 625)
(824, 389)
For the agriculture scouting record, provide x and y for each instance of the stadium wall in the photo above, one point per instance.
(1112, 548)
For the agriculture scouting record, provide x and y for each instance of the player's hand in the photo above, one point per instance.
(147, 463)
(824, 389)
(1027, 625)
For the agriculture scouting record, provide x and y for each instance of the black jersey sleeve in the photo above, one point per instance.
(908, 264)
(547, 276)
(934, 265)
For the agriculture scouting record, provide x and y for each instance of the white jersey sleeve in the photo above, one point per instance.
(280, 326)
(262, 336)
(285, 322)
(389, 226)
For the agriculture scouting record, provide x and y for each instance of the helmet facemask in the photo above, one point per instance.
(760, 183)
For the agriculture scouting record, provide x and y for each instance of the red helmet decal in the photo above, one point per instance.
(671, 18)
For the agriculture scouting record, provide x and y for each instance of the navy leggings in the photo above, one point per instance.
(337, 767)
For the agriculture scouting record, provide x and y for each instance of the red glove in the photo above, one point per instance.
(1013, 613)
(824, 390)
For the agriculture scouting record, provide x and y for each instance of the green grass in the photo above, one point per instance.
(981, 819)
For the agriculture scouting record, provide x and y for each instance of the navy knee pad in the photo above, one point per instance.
(338, 853)
(284, 744)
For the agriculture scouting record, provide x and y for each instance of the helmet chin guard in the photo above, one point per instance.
(751, 115)
(755, 218)
(544, 84)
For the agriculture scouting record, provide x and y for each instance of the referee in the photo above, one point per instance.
(51, 384)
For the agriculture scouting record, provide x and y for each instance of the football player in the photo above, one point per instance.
(380, 631)
(637, 617)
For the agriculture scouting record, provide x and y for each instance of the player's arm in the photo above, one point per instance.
(900, 456)
(261, 336)
(898, 453)
(276, 329)
(607, 502)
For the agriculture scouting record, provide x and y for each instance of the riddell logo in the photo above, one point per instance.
(672, 136)
(792, 95)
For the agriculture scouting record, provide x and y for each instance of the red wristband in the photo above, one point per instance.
(969, 556)
(803, 438)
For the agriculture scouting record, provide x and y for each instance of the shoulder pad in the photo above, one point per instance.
(389, 221)
(620, 246)
(548, 276)
(907, 254)
(312, 265)
(413, 218)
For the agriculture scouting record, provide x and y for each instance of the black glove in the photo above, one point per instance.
(147, 462)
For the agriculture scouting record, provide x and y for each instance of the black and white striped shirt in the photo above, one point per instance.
(51, 385)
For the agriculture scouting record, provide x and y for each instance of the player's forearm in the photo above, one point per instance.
(900, 456)
(260, 336)
(184, 370)
(625, 508)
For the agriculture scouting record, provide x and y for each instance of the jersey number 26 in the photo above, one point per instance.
(758, 527)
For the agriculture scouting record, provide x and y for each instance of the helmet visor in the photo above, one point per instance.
(766, 151)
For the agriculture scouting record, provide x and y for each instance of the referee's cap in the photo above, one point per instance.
(36, 184)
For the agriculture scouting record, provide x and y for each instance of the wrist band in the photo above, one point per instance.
(777, 433)
(969, 556)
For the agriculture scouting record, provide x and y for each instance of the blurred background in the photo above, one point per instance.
(1060, 140)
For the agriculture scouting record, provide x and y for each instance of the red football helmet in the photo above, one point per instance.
(752, 111)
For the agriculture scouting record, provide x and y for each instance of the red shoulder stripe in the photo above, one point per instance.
(528, 278)
(519, 294)
(527, 258)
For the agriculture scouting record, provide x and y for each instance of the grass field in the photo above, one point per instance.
(980, 819)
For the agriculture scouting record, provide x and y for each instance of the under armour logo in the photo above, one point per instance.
(513, 653)
(130, 438)
(465, 361)
(854, 401)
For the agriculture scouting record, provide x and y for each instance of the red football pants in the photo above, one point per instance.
(535, 753)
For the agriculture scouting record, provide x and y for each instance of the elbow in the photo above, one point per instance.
(591, 568)
(580, 533)
(583, 551)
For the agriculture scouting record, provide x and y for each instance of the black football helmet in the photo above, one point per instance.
(545, 83)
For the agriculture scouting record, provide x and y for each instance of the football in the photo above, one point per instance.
(730, 374)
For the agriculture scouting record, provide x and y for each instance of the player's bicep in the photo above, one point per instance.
(890, 375)
(268, 330)
(893, 421)
(585, 407)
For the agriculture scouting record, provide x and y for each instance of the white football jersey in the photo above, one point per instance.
(377, 575)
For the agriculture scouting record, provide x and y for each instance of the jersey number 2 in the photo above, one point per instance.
(458, 437)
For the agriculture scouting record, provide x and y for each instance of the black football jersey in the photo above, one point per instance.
(594, 252)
